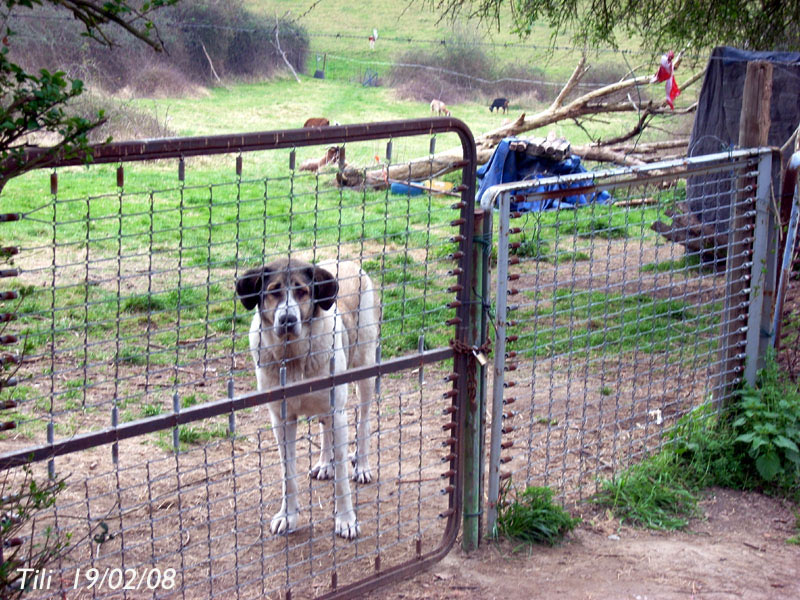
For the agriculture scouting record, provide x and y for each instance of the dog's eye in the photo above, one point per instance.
(300, 293)
(275, 292)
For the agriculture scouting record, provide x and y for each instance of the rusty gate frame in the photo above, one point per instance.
(463, 359)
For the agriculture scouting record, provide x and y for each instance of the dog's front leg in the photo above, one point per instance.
(346, 525)
(285, 520)
(324, 467)
(360, 459)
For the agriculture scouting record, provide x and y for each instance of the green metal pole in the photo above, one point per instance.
(474, 417)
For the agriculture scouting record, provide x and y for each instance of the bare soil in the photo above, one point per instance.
(738, 549)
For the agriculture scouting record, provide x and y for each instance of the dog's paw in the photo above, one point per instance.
(348, 527)
(362, 474)
(283, 523)
(322, 470)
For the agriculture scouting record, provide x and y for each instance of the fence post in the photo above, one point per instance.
(762, 274)
(499, 362)
(474, 418)
(754, 125)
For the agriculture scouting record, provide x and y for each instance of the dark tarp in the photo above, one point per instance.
(506, 166)
(716, 124)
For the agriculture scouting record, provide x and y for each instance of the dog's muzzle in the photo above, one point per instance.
(287, 324)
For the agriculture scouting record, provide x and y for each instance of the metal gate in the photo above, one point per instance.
(607, 333)
(130, 382)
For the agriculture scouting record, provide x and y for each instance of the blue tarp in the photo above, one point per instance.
(506, 166)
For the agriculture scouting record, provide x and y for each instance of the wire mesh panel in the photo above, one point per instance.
(179, 322)
(617, 313)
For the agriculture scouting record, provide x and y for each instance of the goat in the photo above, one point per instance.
(439, 107)
(499, 104)
(316, 122)
(333, 154)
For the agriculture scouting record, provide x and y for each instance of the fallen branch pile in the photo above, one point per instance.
(603, 100)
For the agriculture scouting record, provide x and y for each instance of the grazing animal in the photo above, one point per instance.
(332, 155)
(307, 314)
(499, 103)
(439, 107)
(316, 122)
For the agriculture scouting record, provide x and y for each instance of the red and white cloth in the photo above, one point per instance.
(666, 73)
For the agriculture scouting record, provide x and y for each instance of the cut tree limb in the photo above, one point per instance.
(592, 103)
(277, 44)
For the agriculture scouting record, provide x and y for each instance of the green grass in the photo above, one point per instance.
(588, 321)
(652, 494)
(191, 435)
(711, 447)
(689, 262)
(214, 225)
(531, 516)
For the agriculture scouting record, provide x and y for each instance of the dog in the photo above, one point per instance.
(499, 104)
(307, 314)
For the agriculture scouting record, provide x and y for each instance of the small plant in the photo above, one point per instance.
(767, 426)
(533, 518)
(795, 539)
(532, 247)
(22, 501)
(150, 410)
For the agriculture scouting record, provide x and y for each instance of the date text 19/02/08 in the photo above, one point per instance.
(110, 579)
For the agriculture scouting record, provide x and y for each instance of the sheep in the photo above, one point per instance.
(333, 154)
(316, 122)
(439, 107)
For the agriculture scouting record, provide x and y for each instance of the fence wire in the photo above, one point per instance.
(608, 332)
(133, 379)
(133, 347)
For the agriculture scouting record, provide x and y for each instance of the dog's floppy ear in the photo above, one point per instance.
(248, 286)
(325, 288)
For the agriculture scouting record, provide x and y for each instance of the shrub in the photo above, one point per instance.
(123, 121)
(238, 43)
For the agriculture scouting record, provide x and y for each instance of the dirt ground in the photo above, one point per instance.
(736, 550)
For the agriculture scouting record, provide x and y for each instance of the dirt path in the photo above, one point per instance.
(738, 550)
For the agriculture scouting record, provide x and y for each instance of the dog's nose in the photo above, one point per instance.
(287, 322)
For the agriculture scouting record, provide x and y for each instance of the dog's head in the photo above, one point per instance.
(288, 294)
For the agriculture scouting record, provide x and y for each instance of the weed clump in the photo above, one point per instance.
(751, 444)
(532, 517)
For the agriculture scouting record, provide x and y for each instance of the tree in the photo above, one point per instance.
(659, 24)
(32, 103)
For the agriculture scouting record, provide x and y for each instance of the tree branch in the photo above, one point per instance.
(277, 45)
(580, 70)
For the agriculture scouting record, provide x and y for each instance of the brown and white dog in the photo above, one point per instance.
(308, 314)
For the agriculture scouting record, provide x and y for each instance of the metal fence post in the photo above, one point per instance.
(762, 274)
(473, 439)
(500, 323)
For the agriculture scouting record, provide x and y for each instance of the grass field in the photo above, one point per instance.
(126, 280)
